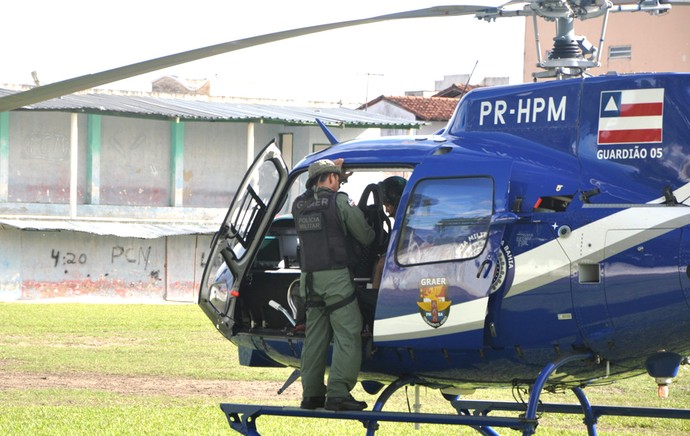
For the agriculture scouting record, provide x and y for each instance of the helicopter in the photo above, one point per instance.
(539, 240)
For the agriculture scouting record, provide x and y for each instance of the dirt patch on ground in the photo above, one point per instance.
(150, 385)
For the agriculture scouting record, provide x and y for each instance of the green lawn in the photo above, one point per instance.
(109, 369)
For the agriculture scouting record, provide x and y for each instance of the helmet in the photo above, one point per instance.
(323, 166)
(391, 189)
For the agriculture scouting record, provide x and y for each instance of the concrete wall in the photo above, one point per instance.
(135, 161)
(131, 161)
(127, 170)
(44, 265)
(39, 158)
(210, 172)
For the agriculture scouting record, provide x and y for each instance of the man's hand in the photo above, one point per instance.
(343, 175)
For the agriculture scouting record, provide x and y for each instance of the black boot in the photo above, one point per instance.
(312, 402)
(344, 403)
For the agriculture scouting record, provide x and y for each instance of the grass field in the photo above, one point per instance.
(83, 369)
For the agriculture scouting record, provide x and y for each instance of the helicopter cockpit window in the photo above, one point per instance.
(250, 208)
(446, 219)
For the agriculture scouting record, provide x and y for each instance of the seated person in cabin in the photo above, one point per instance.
(391, 191)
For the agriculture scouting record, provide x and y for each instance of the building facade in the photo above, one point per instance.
(106, 196)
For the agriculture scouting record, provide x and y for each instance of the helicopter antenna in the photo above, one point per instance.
(464, 91)
(366, 97)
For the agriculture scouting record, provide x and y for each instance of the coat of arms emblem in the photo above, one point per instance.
(433, 303)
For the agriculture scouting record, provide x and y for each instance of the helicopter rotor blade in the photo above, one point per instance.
(69, 86)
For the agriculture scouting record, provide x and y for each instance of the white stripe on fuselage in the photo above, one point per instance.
(588, 244)
(463, 317)
(550, 262)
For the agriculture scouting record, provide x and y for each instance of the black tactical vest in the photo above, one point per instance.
(323, 244)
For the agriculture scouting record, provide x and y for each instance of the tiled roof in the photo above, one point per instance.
(455, 91)
(424, 108)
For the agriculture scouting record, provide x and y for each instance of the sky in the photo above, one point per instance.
(69, 38)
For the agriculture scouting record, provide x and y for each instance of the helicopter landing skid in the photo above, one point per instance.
(242, 417)
(475, 414)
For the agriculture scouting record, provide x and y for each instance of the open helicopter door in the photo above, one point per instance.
(444, 259)
(234, 246)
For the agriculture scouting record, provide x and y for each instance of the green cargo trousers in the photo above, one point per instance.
(343, 326)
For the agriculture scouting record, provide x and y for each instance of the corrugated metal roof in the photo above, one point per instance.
(120, 229)
(200, 110)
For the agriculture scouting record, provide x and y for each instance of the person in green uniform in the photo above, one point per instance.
(326, 223)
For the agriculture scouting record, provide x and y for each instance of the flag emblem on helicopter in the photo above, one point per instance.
(631, 116)
(433, 303)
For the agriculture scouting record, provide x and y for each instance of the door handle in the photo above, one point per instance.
(481, 268)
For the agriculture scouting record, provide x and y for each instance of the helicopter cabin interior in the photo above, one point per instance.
(274, 274)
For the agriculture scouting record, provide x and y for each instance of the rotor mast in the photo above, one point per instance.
(567, 57)
(571, 54)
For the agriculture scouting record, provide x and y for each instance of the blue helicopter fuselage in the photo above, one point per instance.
(545, 218)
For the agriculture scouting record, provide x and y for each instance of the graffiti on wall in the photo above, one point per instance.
(37, 265)
(111, 270)
(46, 146)
(136, 255)
(139, 256)
(67, 258)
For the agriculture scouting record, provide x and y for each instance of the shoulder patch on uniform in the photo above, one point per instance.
(349, 200)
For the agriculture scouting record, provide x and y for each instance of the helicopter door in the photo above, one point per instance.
(235, 244)
(440, 268)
